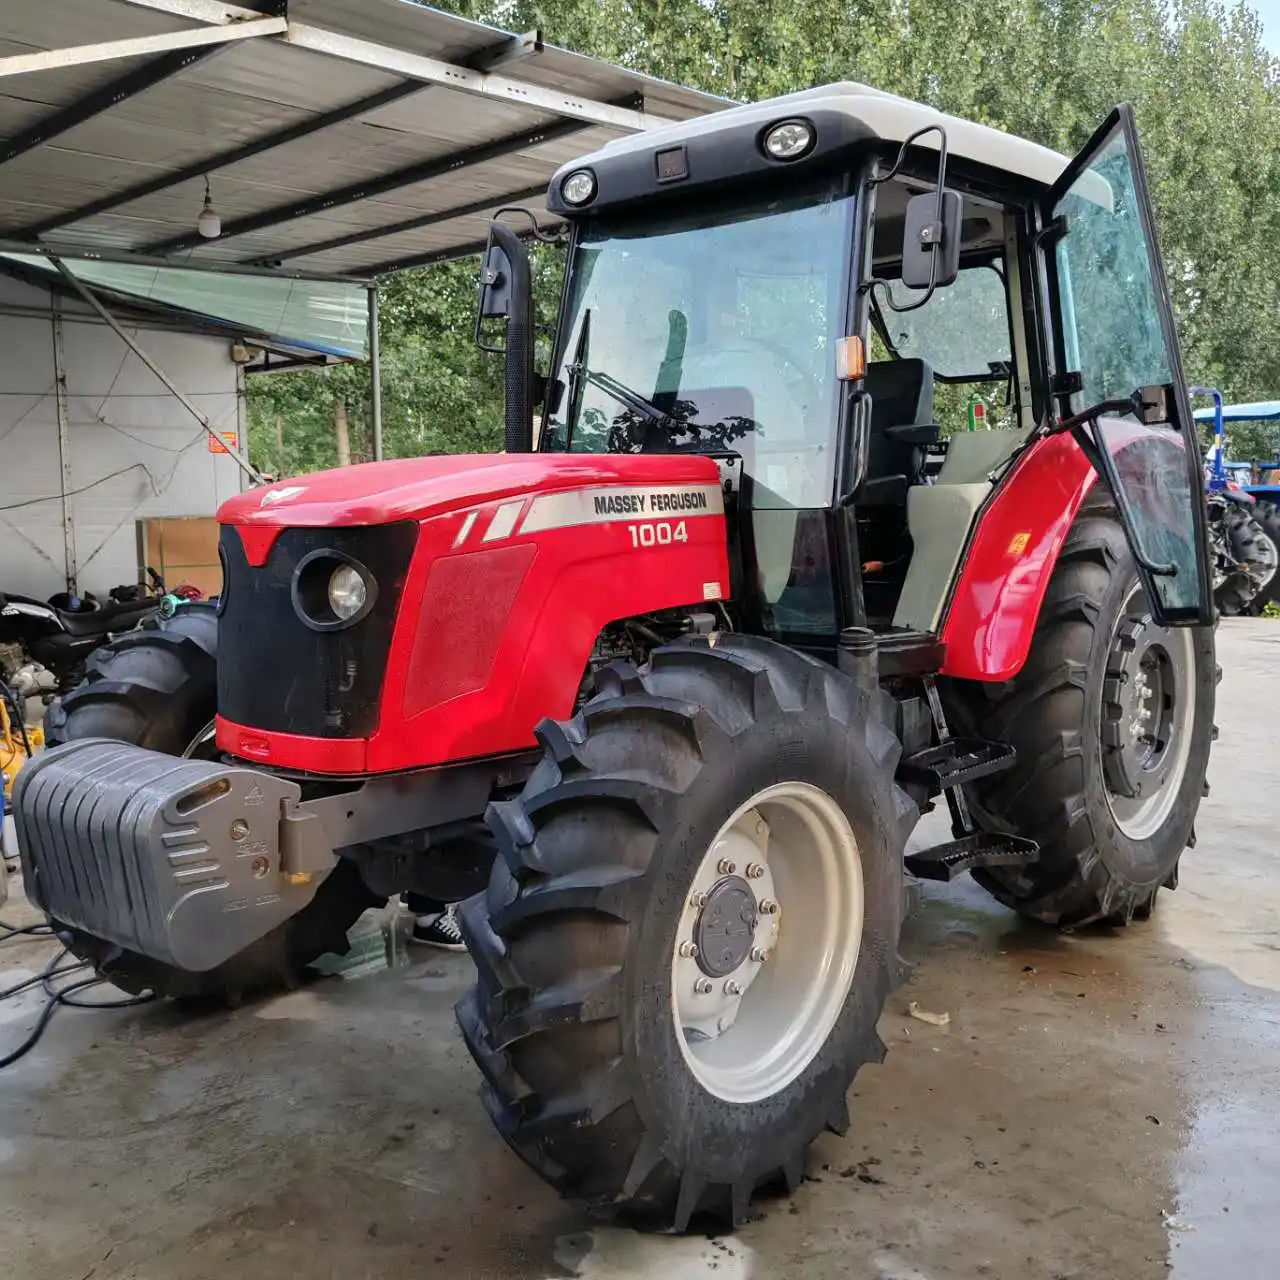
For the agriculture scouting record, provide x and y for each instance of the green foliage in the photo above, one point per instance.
(1206, 93)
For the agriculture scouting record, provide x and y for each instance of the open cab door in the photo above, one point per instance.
(1115, 342)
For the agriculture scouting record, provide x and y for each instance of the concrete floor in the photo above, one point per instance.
(1103, 1105)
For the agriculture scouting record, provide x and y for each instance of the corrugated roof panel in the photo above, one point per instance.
(246, 94)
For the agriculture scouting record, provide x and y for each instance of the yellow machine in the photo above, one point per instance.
(18, 743)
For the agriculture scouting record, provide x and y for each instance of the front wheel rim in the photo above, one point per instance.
(768, 941)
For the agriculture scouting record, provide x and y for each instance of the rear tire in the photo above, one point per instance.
(1266, 516)
(1104, 855)
(1251, 545)
(577, 1016)
(156, 687)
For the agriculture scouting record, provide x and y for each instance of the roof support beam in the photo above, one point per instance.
(223, 159)
(512, 49)
(92, 104)
(409, 224)
(424, 171)
(138, 46)
(215, 11)
(464, 80)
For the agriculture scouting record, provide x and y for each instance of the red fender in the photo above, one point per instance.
(996, 602)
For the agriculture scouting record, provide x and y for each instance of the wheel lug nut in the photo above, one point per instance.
(726, 867)
(768, 907)
(688, 950)
(754, 871)
(759, 954)
(698, 900)
(731, 988)
(702, 987)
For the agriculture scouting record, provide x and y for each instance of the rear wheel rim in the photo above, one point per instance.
(767, 945)
(1147, 719)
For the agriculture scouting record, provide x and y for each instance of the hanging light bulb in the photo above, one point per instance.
(208, 224)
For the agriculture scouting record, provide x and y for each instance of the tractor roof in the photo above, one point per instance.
(1257, 411)
(886, 115)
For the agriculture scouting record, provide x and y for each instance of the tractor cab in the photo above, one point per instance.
(816, 291)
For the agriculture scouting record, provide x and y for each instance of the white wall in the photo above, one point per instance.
(121, 419)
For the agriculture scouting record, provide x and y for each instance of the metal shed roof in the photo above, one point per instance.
(338, 138)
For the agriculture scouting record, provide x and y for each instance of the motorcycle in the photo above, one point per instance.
(44, 644)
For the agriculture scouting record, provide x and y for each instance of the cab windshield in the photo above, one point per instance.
(711, 330)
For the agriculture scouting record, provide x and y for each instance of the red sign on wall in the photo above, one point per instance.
(227, 441)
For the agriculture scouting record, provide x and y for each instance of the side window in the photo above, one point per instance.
(962, 333)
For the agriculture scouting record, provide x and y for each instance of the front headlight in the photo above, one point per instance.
(347, 592)
(332, 590)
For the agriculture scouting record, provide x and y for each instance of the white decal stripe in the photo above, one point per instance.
(467, 525)
(504, 521)
(623, 502)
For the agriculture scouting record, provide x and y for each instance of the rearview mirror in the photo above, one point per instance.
(1154, 405)
(931, 247)
(494, 292)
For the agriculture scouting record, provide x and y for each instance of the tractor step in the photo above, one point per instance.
(984, 849)
(955, 762)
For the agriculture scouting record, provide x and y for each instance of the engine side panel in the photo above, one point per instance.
(997, 598)
(522, 628)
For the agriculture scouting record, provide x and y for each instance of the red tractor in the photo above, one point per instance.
(694, 661)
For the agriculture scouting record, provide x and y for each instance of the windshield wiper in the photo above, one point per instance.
(633, 400)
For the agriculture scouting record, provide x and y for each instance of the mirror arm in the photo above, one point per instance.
(555, 236)
(1130, 404)
(931, 232)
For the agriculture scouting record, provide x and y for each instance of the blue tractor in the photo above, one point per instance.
(1244, 511)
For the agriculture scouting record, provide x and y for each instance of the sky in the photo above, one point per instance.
(1269, 12)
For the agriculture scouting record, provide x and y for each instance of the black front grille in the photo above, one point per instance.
(275, 672)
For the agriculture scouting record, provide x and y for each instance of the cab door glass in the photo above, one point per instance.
(1116, 334)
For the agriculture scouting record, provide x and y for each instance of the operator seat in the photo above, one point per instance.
(901, 426)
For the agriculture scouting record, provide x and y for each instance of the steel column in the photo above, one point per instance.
(375, 372)
(64, 444)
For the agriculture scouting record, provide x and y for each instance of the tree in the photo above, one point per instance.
(1206, 93)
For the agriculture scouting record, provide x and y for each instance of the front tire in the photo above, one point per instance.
(156, 687)
(1111, 717)
(655, 823)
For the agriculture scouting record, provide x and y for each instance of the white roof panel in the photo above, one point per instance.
(889, 117)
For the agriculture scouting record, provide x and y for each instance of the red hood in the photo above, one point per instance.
(414, 488)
